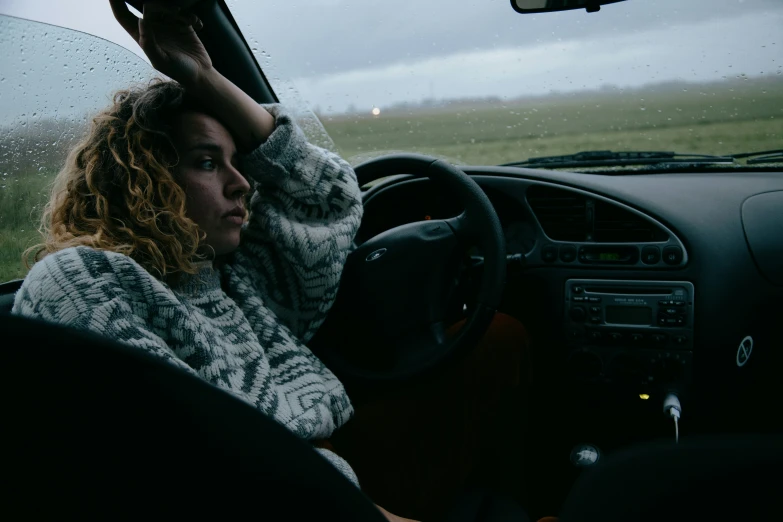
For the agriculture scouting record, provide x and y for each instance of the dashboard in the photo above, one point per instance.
(419, 200)
(718, 237)
(546, 223)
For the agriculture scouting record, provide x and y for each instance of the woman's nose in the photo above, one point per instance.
(237, 185)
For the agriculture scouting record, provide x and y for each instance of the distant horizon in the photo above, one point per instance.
(439, 104)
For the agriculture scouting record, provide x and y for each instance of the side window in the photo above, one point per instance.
(52, 80)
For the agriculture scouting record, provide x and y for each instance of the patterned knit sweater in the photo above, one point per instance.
(241, 327)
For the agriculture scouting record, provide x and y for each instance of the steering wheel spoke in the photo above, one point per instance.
(462, 227)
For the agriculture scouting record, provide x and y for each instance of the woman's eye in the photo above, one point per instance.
(207, 164)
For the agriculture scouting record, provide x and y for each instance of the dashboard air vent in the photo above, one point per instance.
(562, 213)
(615, 224)
(566, 215)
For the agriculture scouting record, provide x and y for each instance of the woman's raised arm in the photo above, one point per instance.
(169, 39)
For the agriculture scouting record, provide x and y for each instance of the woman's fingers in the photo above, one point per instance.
(147, 40)
(184, 23)
(153, 13)
(391, 517)
(189, 18)
(167, 35)
(159, 9)
(127, 20)
(171, 17)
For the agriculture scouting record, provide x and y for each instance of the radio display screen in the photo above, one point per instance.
(641, 315)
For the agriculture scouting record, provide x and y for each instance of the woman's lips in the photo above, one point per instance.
(235, 219)
(236, 215)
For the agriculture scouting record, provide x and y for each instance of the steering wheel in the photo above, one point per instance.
(391, 310)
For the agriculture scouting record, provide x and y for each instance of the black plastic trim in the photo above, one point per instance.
(590, 6)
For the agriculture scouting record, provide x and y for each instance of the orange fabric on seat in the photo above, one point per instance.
(323, 444)
(414, 448)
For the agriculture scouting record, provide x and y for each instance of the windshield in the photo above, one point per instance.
(480, 84)
(473, 82)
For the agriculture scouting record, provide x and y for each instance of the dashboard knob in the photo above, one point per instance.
(578, 314)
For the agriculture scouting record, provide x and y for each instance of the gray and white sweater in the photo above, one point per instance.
(241, 327)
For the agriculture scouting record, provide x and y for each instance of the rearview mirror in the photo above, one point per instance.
(545, 6)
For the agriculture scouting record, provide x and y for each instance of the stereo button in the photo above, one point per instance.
(567, 253)
(672, 255)
(665, 320)
(651, 255)
(578, 314)
(549, 254)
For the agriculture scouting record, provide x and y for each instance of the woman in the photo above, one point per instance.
(148, 239)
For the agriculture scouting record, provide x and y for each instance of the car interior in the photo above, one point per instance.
(635, 287)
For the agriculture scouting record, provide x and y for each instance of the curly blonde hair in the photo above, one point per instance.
(117, 191)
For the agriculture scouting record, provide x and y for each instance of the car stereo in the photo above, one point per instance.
(633, 332)
(643, 313)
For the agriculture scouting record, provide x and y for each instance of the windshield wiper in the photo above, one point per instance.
(767, 156)
(607, 158)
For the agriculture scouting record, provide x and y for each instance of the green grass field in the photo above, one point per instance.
(721, 118)
(708, 119)
(21, 204)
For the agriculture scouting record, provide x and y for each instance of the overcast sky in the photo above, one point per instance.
(338, 53)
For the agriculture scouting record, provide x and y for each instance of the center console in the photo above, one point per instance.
(636, 333)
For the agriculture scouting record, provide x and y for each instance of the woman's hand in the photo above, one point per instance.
(392, 517)
(168, 38)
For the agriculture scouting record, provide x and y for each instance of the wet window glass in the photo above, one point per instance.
(52, 80)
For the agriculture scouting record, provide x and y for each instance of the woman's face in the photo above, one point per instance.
(208, 172)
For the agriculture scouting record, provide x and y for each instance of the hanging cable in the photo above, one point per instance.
(673, 409)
